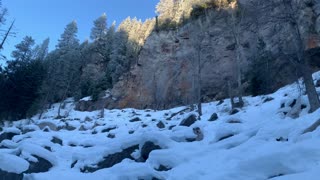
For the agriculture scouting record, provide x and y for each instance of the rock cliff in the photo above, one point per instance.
(166, 75)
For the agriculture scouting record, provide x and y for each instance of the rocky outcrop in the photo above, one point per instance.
(168, 62)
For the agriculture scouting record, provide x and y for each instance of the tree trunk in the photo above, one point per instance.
(231, 95)
(102, 112)
(310, 88)
(199, 82)
(239, 52)
(302, 61)
(64, 96)
(6, 35)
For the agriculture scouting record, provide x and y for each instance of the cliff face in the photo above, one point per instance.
(168, 63)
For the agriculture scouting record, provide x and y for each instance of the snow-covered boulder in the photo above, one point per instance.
(12, 167)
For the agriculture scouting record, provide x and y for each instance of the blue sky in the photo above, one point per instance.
(48, 18)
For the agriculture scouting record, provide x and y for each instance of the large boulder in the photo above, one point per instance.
(90, 105)
(147, 148)
(12, 167)
(56, 140)
(213, 117)
(112, 159)
(47, 124)
(160, 125)
(189, 121)
(41, 165)
(136, 119)
(7, 135)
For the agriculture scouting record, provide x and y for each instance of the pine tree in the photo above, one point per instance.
(99, 29)
(119, 62)
(20, 85)
(23, 50)
(68, 39)
(41, 51)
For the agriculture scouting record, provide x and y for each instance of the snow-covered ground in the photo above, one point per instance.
(267, 139)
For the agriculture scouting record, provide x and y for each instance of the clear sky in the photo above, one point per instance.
(48, 18)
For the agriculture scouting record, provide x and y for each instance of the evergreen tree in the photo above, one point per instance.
(119, 61)
(41, 51)
(100, 27)
(68, 39)
(20, 82)
(23, 50)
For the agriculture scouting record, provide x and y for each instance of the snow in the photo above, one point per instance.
(13, 164)
(88, 98)
(12, 130)
(262, 141)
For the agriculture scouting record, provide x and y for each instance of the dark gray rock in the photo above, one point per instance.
(220, 102)
(112, 159)
(42, 165)
(234, 111)
(268, 99)
(318, 83)
(234, 121)
(82, 128)
(8, 136)
(137, 119)
(147, 148)
(46, 129)
(74, 163)
(87, 119)
(27, 130)
(56, 140)
(10, 176)
(188, 121)
(163, 168)
(293, 103)
(72, 145)
(160, 125)
(70, 128)
(282, 139)
(226, 137)
(108, 129)
(111, 136)
(303, 106)
(191, 139)
(87, 146)
(213, 117)
(48, 148)
(274, 176)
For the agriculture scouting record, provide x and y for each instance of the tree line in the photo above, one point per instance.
(35, 78)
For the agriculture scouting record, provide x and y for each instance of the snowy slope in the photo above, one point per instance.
(265, 140)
